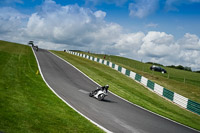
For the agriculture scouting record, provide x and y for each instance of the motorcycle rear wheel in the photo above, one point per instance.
(101, 97)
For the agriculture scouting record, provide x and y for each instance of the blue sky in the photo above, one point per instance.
(162, 31)
(177, 18)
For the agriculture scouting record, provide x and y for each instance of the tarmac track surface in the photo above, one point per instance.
(113, 113)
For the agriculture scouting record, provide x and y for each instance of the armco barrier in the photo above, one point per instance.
(168, 94)
(174, 97)
(144, 81)
(123, 71)
(138, 77)
(193, 106)
(107, 63)
(132, 74)
(119, 68)
(116, 67)
(158, 89)
(180, 100)
(127, 73)
(150, 84)
(113, 65)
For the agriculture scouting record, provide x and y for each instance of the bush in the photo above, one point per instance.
(181, 67)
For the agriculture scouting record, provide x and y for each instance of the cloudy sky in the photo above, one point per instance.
(161, 31)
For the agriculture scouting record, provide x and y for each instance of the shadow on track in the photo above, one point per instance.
(108, 101)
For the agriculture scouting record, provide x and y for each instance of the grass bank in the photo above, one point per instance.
(182, 82)
(26, 103)
(132, 91)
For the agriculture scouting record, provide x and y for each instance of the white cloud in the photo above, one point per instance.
(129, 43)
(73, 27)
(50, 45)
(161, 48)
(172, 5)
(4, 2)
(98, 2)
(12, 24)
(100, 14)
(142, 8)
(190, 51)
(190, 42)
(70, 24)
(10, 19)
(157, 44)
(152, 25)
(131, 40)
(190, 58)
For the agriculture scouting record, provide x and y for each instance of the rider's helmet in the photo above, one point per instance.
(106, 86)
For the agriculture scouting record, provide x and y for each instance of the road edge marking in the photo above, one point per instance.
(127, 100)
(104, 129)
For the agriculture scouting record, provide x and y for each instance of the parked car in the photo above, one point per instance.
(158, 69)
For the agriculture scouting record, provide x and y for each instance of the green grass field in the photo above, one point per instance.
(132, 91)
(173, 80)
(26, 104)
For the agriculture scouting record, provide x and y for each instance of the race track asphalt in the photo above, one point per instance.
(114, 114)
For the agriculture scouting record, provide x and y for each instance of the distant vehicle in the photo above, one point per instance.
(158, 69)
(31, 43)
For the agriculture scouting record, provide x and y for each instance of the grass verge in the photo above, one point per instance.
(26, 103)
(132, 91)
(173, 80)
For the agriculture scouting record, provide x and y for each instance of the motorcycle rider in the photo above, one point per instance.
(102, 88)
(36, 48)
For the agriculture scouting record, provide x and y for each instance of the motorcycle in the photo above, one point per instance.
(99, 94)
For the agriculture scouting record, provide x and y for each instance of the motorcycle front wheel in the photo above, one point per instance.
(90, 94)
